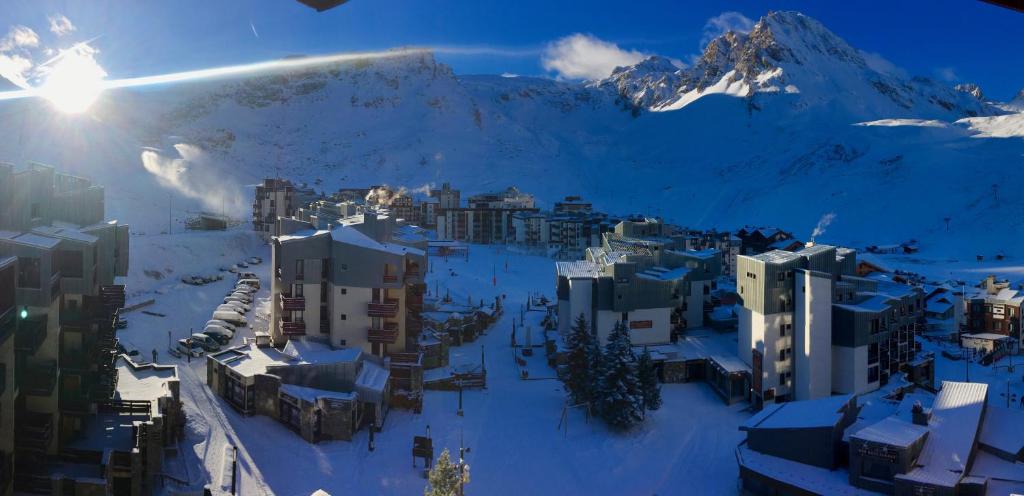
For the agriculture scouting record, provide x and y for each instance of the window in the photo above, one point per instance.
(782, 276)
(873, 373)
(297, 290)
(28, 273)
(297, 316)
(300, 269)
(873, 353)
(344, 317)
(344, 266)
(344, 291)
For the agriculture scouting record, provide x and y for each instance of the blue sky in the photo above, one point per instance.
(951, 40)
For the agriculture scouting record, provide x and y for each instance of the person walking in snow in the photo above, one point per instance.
(154, 355)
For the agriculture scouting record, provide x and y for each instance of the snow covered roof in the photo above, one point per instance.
(776, 256)
(893, 431)
(353, 236)
(30, 239)
(311, 352)
(578, 269)
(822, 412)
(988, 336)
(953, 427)
(874, 304)
(664, 274)
(372, 380)
(72, 234)
(814, 480)
(1002, 430)
(143, 382)
(313, 394)
(250, 360)
(302, 234)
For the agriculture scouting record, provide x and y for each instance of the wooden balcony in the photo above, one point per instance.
(293, 328)
(387, 308)
(35, 431)
(387, 334)
(289, 304)
(30, 335)
(38, 379)
(390, 278)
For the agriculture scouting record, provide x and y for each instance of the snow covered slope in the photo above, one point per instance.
(763, 129)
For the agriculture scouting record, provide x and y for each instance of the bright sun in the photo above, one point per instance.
(74, 81)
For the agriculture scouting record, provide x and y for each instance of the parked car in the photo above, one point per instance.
(188, 347)
(255, 260)
(230, 316)
(209, 343)
(247, 275)
(219, 334)
(250, 281)
(234, 305)
(242, 288)
(221, 323)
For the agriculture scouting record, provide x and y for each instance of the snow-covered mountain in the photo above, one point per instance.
(788, 53)
(778, 126)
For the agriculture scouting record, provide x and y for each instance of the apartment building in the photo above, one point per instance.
(564, 235)
(727, 243)
(809, 327)
(353, 283)
(65, 303)
(9, 315)
(277, 198)
(487, 219)
(997, 309)
(447, 197)
(754, 239)
(657, 291)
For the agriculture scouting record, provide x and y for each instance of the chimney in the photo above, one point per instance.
(920, 416)
(809, 244)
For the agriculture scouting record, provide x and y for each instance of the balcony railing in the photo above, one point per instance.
(387, 333)
(289, 304)
(293, 328)
(30, 335)
(38, 379)
(389, 278)
(388, 308)
(35, 431)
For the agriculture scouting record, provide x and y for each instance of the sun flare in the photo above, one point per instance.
(73, 81)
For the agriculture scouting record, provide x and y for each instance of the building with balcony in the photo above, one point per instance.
(320, 392)
(277, 198)
(657, 291)
(809, 327)
(997, 309)
(355, 284)
(486, 220)
(61, 278)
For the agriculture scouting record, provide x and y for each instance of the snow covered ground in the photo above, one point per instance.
(511, 428)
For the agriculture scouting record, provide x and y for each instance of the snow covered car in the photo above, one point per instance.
(208, 343)
(254, 260)
(250, 282)
(219, 334)
(244, 288)
(193, 348)
(234, 305)
(230, 316)
(232, 300)
(221, 323)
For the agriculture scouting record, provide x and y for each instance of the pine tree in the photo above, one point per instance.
(648, 377)
(581, 360)
(619, 399)
(443, 479)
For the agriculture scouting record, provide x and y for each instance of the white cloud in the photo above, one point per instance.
(15, 69)
(723, 23)
(60, 25)
(947, 74)
(19, 37)
(583, 56)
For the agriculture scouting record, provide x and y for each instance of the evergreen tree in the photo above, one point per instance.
(581, 360)
(619, 399)
(443, 479)
(648, 377)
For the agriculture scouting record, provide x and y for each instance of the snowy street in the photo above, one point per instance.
(513, 423)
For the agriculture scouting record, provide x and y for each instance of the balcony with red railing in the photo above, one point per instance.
(387, 308)
(293, 328)
(387, 333)
(390, 278)
(291, 303)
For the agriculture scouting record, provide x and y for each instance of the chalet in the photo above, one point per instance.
(754, 240)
